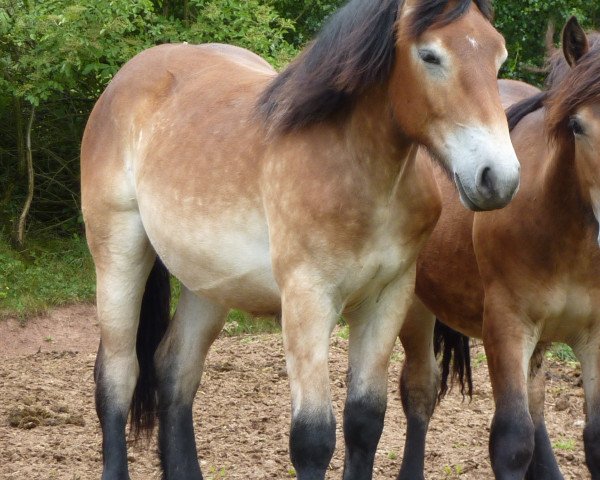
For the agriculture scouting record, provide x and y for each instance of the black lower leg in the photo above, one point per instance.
(543, 464)
(312, 442)
(363, 424)
(511, 442)
(413, 460)
(591, 440)
(113, 421)
(418, 402)
(176, 442)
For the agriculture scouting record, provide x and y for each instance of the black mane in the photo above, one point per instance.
(518, 111)
(354, 51)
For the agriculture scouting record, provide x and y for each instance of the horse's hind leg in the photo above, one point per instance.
(179, 363)
(418, 386)
(373, 332)
(123, 259)
(543, 465)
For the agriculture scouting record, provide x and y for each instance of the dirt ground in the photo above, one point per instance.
(49, 430)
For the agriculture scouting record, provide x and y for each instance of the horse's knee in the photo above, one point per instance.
(312, 442)
(511, 443)
(591, 440)
(115, 376)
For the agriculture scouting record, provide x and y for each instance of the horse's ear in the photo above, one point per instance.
(575, 42)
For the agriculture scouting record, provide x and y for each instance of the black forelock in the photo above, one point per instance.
(431, 12)
(354, 51)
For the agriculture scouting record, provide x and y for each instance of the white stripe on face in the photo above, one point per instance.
(473, 41)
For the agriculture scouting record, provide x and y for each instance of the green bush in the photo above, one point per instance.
(524, 23)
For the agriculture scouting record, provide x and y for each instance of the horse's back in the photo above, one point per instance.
(513, 91)
(175, 141)
(138, 98)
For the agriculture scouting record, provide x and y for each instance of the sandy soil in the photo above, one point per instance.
(49, 430)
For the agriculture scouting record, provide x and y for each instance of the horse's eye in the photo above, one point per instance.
(429, 57)
(576, 126)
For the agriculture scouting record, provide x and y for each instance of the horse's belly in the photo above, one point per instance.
(225, 258)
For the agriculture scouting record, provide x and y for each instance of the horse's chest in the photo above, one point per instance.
(383, 261)
(568, 312)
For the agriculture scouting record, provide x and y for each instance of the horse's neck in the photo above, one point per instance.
(374, 138)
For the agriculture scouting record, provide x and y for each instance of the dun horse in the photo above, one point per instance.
(296, 194)
(523, 277)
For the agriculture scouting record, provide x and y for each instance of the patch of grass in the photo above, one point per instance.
(344, 330)
(214, 473)
(241, 323)
(49, 273)
(392, 455)
(479, 359)
(460, 445)
(564, 444)
(561, 353)
(453, 471)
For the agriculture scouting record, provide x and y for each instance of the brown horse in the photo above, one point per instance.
(523, 277)
(295, 194)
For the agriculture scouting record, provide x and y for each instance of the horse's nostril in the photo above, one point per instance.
(485, 182)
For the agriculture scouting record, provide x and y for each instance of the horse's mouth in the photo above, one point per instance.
(464, 197)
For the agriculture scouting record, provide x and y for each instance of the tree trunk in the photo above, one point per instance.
(20, 134)
(20, 234)
(186, 13)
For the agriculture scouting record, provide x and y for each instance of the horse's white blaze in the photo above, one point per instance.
(473, 42)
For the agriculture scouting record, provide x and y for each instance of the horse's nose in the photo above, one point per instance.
(497, 185)
(485, 182)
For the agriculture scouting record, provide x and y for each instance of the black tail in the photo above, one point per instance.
(455, 350)
(154, 319)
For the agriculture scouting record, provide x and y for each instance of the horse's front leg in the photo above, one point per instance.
(373, 332)
(543, 465)
(419, 385)
(588, 353)
(509, 344)
(308, 317)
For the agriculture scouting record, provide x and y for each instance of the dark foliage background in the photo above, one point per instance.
(56, 56)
